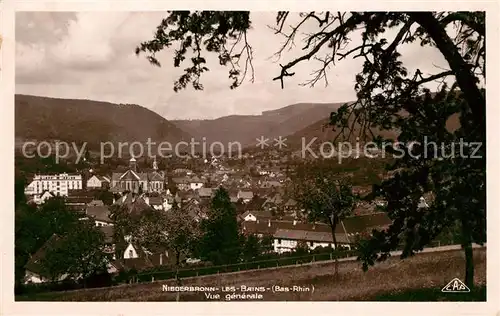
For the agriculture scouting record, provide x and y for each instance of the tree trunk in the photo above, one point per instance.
(469, 255)
(333, 225)
(177, 262)
(177, 258)
(465, 79)
(469, 266)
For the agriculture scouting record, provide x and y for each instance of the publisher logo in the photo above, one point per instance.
(455, 286)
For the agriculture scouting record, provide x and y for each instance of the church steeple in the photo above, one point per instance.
(155, 164)
(133, 164)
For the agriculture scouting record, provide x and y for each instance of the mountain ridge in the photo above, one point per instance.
(90, 121)
(270, 123)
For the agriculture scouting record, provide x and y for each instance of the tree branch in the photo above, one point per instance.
(340, 30)
(465, 19)
(466, 80)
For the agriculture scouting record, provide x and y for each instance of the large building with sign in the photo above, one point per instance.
(58, 184)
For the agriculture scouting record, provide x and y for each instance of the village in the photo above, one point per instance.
(265, 209)
(338, 151)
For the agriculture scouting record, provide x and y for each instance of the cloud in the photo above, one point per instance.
(88, 43)
(42, 27)
(90, 55)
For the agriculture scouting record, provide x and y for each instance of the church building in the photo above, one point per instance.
(137, 182)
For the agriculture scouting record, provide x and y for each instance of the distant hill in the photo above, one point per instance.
(44, 118)
(325, 133)
(270, 124)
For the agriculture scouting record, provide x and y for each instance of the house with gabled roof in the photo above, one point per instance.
(134, 203)
(157, 202)
(288, 234)
(100, 214)
(142, 259)
(34, 272)
(196, 209)
(133, 257)
(196, 183)
(273, 202)
(288, 239)
(42, 198)
(255, 215)
(422, 203)
(245, 196)
(270, 184)
(98, 182)
(182, 183)
(256, 204)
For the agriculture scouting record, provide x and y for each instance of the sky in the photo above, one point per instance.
(91, 55)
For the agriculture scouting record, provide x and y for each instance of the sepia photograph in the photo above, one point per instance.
(263, 156)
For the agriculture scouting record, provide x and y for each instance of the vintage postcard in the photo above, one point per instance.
(192, 152)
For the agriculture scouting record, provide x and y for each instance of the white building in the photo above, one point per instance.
(195, 183)
(59, 184)
(130, 252)
(248, 216)
(159, 203)
(98, 182)
(42, 198)
(286, 240)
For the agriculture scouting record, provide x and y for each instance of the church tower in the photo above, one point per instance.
(133, 164)
(155, 164)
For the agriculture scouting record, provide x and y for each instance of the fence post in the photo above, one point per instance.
(258, 266)
(152, 278)
(331, 256)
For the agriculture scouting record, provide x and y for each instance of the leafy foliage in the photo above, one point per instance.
(78, 254)
(221, 242)
(450, 168)
(382, 84)
(183, 232)
(174, 230)
(219, 32)
(78, 251)
(19, 185)
(323, 194)
(105, 196)
(251, 248)
(125, 225)
(389, 96)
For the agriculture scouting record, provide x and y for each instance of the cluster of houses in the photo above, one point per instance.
(263, 210)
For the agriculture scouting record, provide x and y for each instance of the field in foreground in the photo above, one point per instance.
(414, 279)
